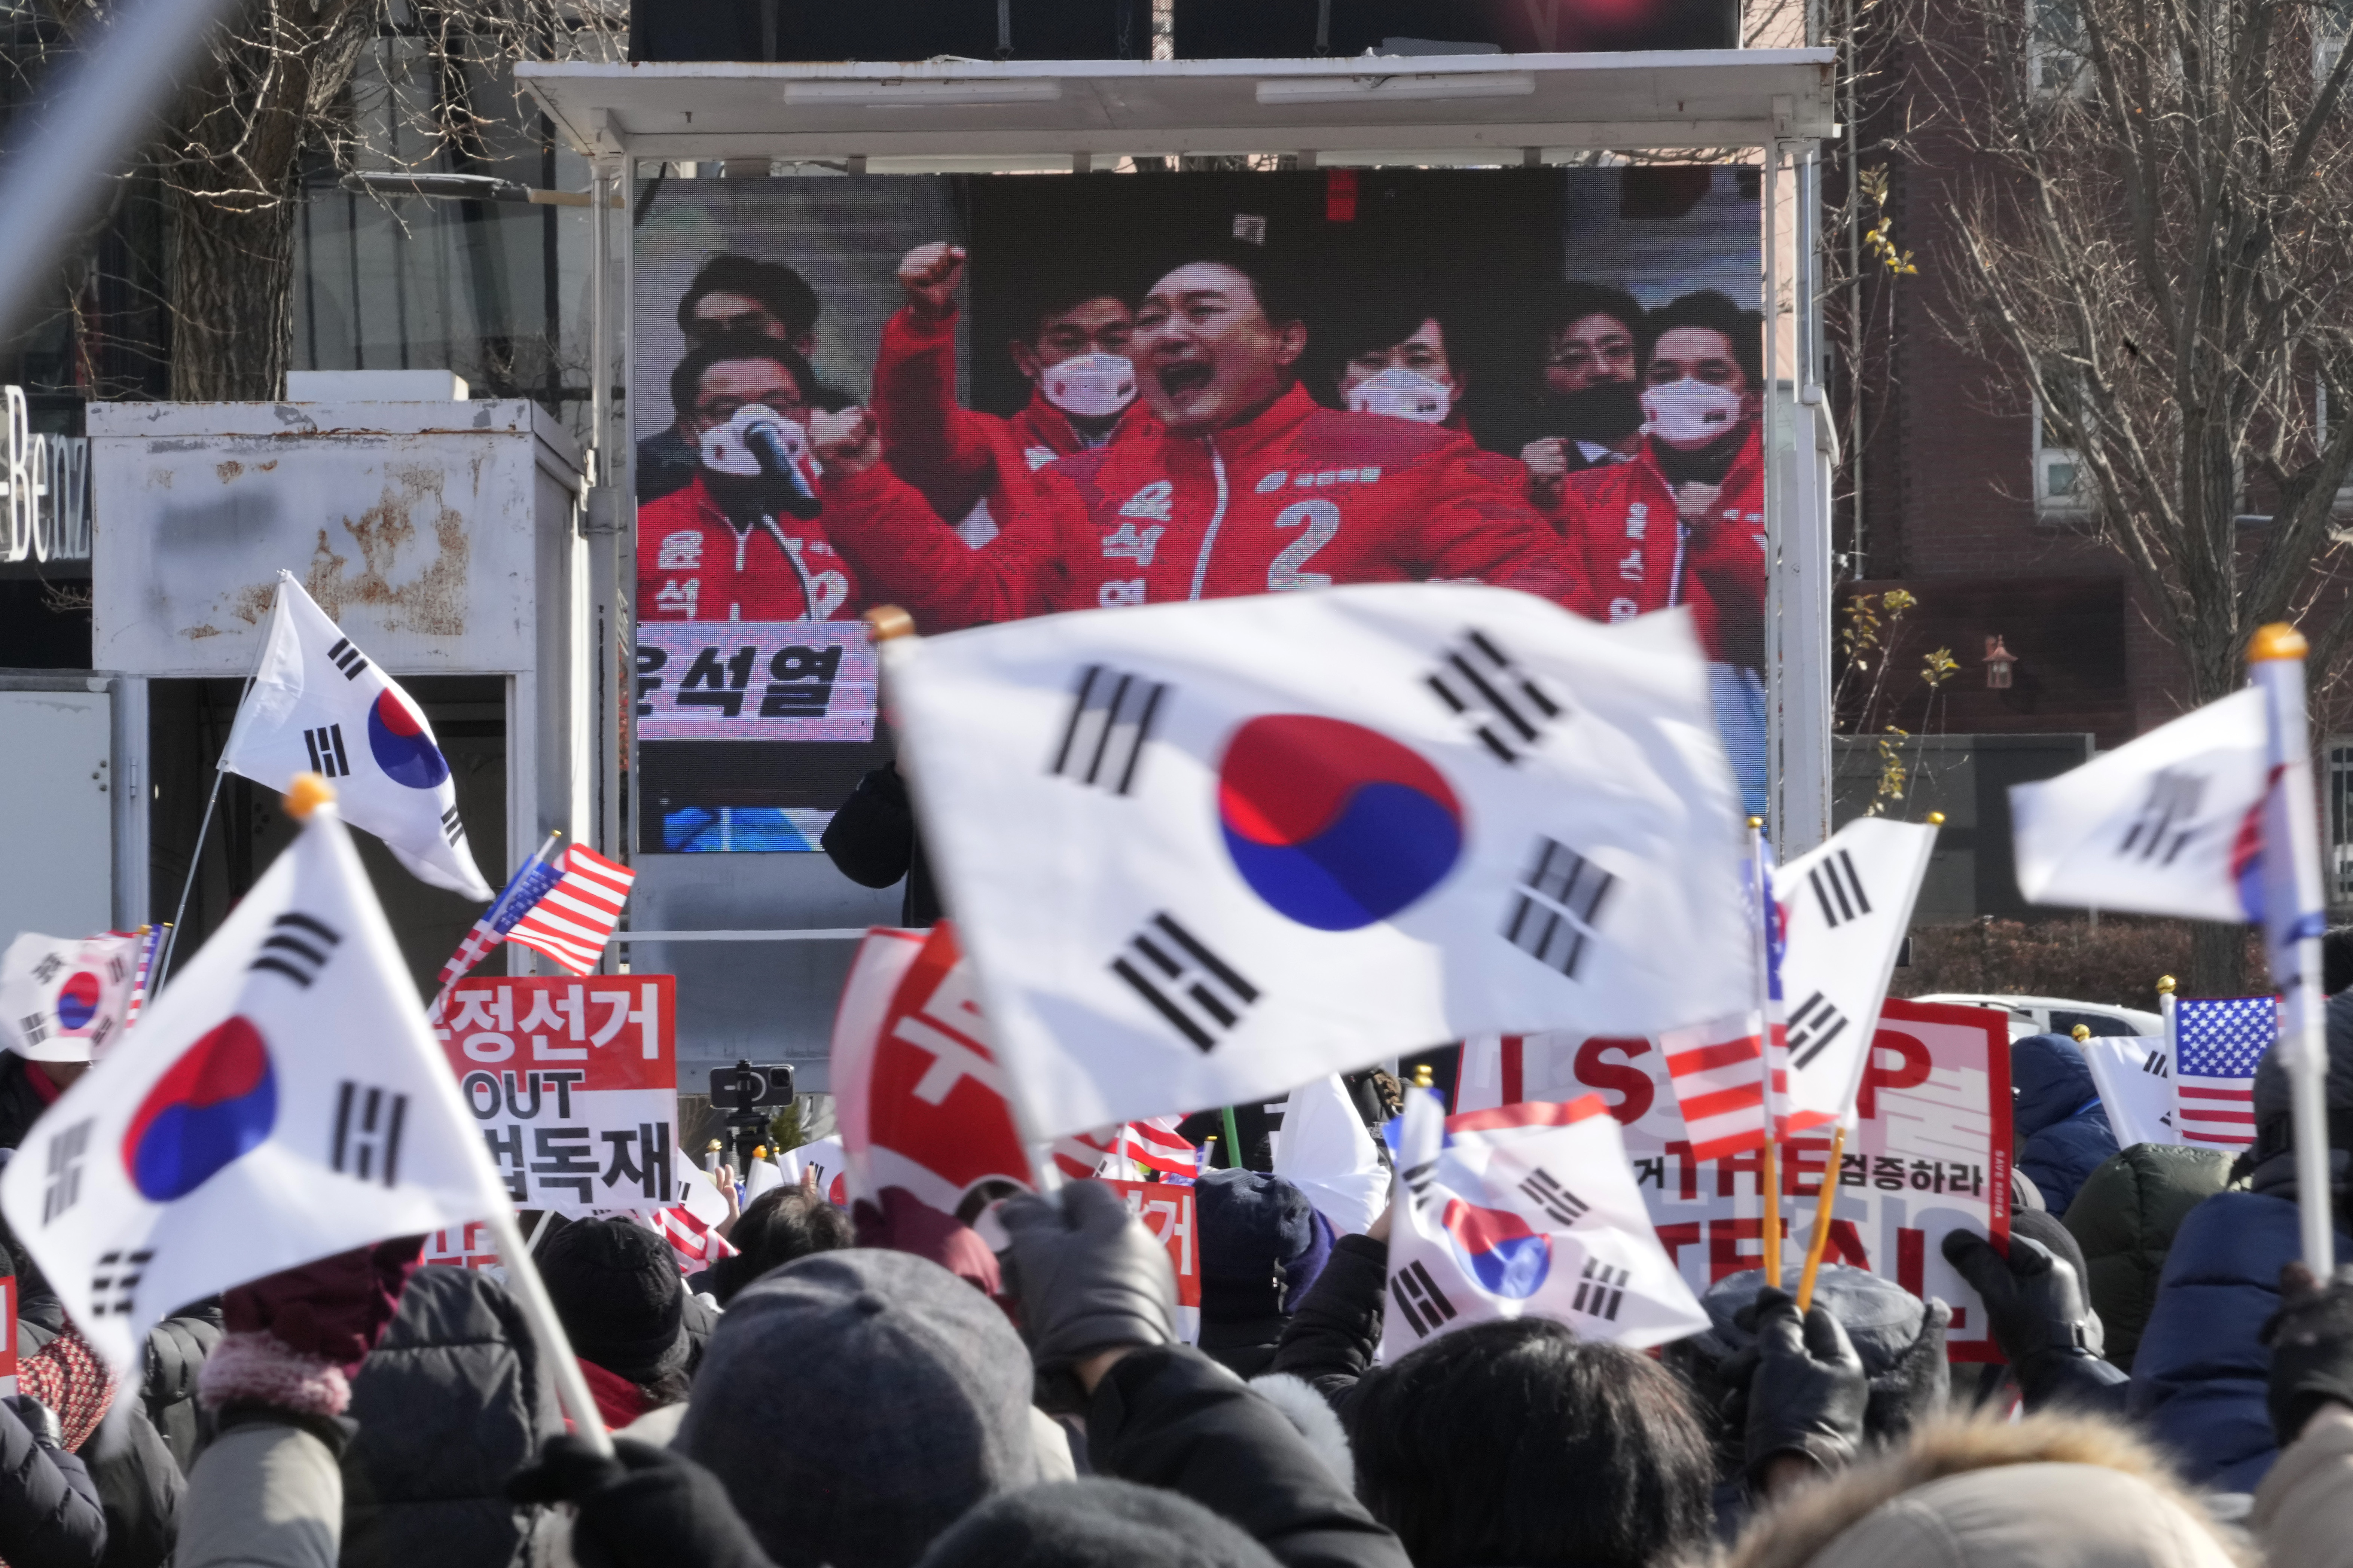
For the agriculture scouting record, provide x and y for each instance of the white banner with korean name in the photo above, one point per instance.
(755, 680)
(1930, 1153)
(574, 1084)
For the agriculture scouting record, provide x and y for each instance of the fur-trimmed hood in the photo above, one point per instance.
(1801, 1527)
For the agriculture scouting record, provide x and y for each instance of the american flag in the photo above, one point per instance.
(1153, 1144)
(1718, 1072)
(2216, 1046)
(1157, 1146)
(566, 908)
(692, 1242)
(572, 922)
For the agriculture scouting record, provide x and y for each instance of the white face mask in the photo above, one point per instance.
(727, 449)
(1404, 394)
(1091, 386)
(1689, 415)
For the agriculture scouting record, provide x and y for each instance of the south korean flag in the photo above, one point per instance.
(282, 1101)
(1844, 909)
(319, 705)
(2171, 824)
(1204, 853)
(64, 1000)
(1526, 1210)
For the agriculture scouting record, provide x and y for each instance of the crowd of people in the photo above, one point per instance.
(876, 1389)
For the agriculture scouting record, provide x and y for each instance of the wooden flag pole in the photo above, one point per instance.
(1818, 1243)
(1769, 1183)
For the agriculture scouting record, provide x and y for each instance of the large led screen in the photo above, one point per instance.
(993, 396)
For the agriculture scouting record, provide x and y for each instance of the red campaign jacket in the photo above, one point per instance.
(1297, 498)
(1620, 526)
(693, 565)
(957, 456)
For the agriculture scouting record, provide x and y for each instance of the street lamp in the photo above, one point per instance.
(2000, 664)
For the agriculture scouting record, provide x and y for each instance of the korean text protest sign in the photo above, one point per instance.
(1167, 1212)
(1931, 1153)
(574, 1084)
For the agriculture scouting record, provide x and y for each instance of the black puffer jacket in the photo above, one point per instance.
(50, 1512)
(450, 1404)
(1332, 1340)
(138, 1481)
(1173, 1419)
(20, 1103)
(176, 1349)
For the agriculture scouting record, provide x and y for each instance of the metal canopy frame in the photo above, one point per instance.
(1502, 104)
(1499, 108)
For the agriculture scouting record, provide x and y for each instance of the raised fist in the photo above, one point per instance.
(930, 273)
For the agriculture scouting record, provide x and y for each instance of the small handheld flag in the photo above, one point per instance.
(1526, 1210)
(68, 1001)
(282, 1102)
(2217, 1045)
(567, 906)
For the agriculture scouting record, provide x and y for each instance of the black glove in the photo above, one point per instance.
(2311, 1338)
(643, 1507)
(2041, 1319)
(39, 1419)
(1088, 1275)
(1807, 1387)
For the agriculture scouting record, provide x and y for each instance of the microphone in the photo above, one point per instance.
(780, 455)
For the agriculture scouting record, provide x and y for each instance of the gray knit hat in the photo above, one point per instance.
(856, 1403)
(1095, 1523)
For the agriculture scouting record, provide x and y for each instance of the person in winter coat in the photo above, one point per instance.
(176, 1349)
(50, 1516)
(914, 1393)
(2198, 1372)
(455, 1396)
(908, 1390)
(1074, 356)
(267, 1492)
(1510, 1441)
(1094, 1523)
(873, 841)
(1246, 485)
(2055, 1114)
(780, 1225)
(618, 1292)
(2302, 1512)
(2049, 1492)
(1261, 1245)
(2124, 1217)
(1898, 1340)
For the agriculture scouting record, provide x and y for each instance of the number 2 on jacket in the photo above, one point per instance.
(1323, 520)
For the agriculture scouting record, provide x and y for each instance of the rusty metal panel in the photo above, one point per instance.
(414, 525)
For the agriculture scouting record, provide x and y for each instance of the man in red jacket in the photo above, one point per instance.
(1683, 522)
(1244, 485)
(1075, 359)
(739, 543)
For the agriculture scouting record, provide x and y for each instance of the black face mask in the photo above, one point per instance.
(1606, 411)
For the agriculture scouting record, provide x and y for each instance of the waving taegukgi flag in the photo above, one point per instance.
(1526, 1210)
(1206, 852)
(319, 705)
(67, 1001)
(2171, 824)
(283, 1100)
(1844, 908)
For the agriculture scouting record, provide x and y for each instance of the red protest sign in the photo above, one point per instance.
(1930, 1154)
(1167, 1211)
(919, 1093)
(7, 1333)
(574, 1084)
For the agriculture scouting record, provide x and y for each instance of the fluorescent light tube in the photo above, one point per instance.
(1375, 88)
(893, 94)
